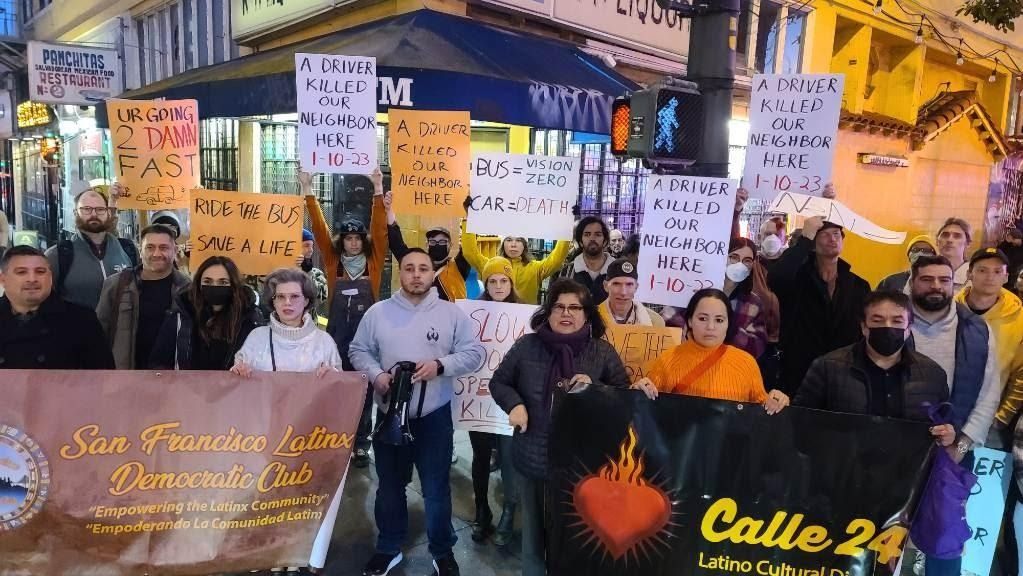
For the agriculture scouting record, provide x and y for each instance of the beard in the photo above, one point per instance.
(593, 249)
(932, 301)
(417, 290)
(93, 225)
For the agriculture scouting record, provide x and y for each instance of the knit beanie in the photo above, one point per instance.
(497, 265)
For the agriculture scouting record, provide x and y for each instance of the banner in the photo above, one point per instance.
(429, 161)
(685, 485)
(985, 507)
(833, 211)
(337, 113)
(124, 473)
(498, 326)
(639, 345)
(687, 223)
(63, 74)
(260, 232)
(793, 128)
(156, 151)
(523, 195)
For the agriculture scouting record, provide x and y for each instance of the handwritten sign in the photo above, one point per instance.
(260, 232)
(523, 195)
(637, 346)
(429, 161)
(687, 222)
(793, 127)
(156, 151)
(337, 113)
(985, 506)
(834, 211)
(498, 326)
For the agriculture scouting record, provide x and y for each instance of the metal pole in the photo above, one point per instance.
(711, 64)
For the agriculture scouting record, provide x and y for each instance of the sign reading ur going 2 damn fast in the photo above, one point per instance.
(687, 223)
(686, 485)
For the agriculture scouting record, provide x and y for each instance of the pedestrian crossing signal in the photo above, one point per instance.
(620, 118)
(665, 123)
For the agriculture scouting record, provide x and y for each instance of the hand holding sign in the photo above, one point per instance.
(816, 210)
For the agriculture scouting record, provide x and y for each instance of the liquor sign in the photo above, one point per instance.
(65, 74)
(883, 160)
(33, 114)
(251, 18)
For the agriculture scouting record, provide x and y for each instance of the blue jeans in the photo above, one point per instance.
(431, 453)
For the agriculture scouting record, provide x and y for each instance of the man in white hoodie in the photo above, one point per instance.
(416, 325)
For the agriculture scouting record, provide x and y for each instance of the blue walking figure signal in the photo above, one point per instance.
(667, 122)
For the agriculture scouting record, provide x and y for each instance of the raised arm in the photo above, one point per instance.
(552, 264)
(471, 249)
(377, 231)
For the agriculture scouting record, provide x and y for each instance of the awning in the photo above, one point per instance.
(425, 60)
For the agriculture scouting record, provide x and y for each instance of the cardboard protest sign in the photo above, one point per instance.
(429, 161)
(985, 506)
(260, 232)
(498, 326)
(793, 127)
(638, 346)
(156, 151)
(186, 472)
(833, 211)
(337, 113)
(687, 223)
(523, 195)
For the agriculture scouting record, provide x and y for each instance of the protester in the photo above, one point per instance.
(772, 242)
(741, 197)
(589, 268)
(631, 249)
(529, 273)
(82, 263)
(770, 359)
(416, 325)
(918, 246)
(954, 237)
(820, 299)
(134, 303)
(170, 219)
(1001, 309)
(498, 286)
(38, 329)
(450, 271)
(566, 348)
(1018, 287)
(305, 262)
(621, 307)
(617, 243)
(214, 316)
(750, 326)
(356, 258)
(1012, 247)
(879, 375)
(705, 365)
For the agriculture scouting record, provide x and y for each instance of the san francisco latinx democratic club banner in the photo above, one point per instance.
(685, 485)
(172, 473)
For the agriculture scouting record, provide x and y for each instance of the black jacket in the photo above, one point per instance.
(61, 336)
(838, 382)
(521, 378)
(177, 341)
(812, 323)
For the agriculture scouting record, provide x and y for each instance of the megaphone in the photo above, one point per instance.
(393, 428)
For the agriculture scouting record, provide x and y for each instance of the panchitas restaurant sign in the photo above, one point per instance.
(66, 74)
(636, 23)
(251, 18)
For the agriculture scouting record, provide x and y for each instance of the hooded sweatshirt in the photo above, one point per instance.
(528, 275)
(1006, 325)
(396, 330)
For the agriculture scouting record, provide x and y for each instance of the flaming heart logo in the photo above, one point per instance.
(620, 508)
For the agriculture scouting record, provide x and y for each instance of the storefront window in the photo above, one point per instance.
(767, 36)
(218, 148)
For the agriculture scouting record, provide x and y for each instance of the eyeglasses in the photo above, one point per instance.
(288, 298)
(571, 309)
(441, 242)
(89, 211)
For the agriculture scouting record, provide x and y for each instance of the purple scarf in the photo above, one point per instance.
(564, 348)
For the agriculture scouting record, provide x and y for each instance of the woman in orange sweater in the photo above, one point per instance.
(704, 365)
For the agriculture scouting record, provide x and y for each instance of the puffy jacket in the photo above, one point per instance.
(61, 336)
(174, 345)
(838, 382)
(1006, 324)
(450, 279)
(521, 378)
(528, 275)
(813, 323)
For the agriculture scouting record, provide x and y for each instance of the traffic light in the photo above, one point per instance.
(665, 123)
(620, 125)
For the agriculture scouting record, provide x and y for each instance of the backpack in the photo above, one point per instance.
(66, 257)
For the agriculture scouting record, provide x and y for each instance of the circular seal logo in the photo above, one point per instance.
(24, 478)
(57, 91)
(627, 267)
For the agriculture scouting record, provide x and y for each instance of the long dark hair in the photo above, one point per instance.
(526, 257)
(225, 324)
(717, 295)
(338, 241)
(569, 286)
(512, 298)
(738, 243)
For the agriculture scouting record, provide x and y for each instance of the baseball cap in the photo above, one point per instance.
(351, 226)
(988, 253)
(437, 230)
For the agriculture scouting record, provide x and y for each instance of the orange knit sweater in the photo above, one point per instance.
(735, 376)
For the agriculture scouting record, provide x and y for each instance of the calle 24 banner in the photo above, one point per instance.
(684, 485)
(120, 473)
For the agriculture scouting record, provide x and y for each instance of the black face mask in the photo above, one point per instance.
(307, 264)
(886, 341)
(216, 295)
(438, 253)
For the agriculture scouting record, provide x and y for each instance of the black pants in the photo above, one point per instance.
(483, 445)
(362, 440)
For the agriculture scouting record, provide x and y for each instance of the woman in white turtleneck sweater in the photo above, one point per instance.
(291, 342)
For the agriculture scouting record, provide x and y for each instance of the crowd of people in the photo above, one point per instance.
(791, 324)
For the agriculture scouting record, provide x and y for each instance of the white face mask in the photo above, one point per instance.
(771, 246)
(737, 272)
